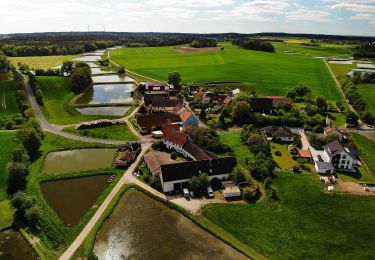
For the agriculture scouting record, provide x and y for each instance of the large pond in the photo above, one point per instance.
(107, 94)
(72, 198)
(87, 58)
(104, 111)
(113, 78)
(13, 246)
(77, 160)
(143, 228)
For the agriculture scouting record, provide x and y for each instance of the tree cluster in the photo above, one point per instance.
(33, 83)
(198, 184)
(203, 43)
(27, 208)
(21, 97)
(5, 64)
(365, 50)
(206, 138)
(254, 44)
(80, 78)
(299, 91)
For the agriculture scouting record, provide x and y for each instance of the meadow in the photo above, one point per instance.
(366, 150)
(241, 151)
(305, 224)
(58, 107)
(7, 145)
(114, 132)
(266, 73)
(367, 93)
(42, 62)
(8, 104)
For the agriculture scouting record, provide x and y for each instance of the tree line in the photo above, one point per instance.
(203, 43)
(254, 44)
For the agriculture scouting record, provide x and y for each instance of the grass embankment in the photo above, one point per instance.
(366, 149)
(7, 145)
(114, 132)
(54, 235)
(42, 62)
(57, 107)
(241, 151)
(8, 103)
(267, 73)
(367, 93)
(305, 224)
(207, 225)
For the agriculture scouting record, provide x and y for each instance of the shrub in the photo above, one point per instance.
(173, 155)
(9, 125)
(278, 153)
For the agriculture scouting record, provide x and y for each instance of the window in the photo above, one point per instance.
(344, 156)
(342, 161)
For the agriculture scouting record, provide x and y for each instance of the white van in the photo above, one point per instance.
(186, 193)
(210, 192)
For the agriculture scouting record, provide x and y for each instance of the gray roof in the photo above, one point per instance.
(335, 147)
(324, 165)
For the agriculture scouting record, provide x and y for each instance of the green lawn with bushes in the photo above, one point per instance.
(113, 132)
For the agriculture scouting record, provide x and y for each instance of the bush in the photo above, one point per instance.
(121, 70)
(247, 193)
(9, 125)
(238, 175)
(173, 155)
(278, 153)
(273, 194)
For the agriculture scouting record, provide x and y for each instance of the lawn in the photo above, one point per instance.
(284, 162)
(58, 108)
(305, 224)
(114, 132)
(366, 149)
(267, 73)
(7, 145)
(241, 151)
(367, 93)
(8, 103)
(42, 62)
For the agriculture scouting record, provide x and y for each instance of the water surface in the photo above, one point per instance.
(13, 246)
(114, 78)
(87, 58)
(107, 94)
(104, 111)
(72, 198)
(77, 160)
(143, 228)
(96, 71)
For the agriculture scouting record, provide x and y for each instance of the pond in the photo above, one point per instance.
(96, 71)
(104, 111)
(114, 78)
(87, 58)
(77, 160)
(143, 228)
(72, 198)
(14, 246)
(92, 64)
(107, 94)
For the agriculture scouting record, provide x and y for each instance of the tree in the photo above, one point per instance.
(67, 68)
(33, 123)
(33, 215)
(241, 112)
(30, 139)
(321, 103)
(81, 78)
(238, 175)
(301, 90)
(247, 193)
(121, 70)
(39, 96)
(351, 118)
(17, 173)
(199, 183)
(173, 155)
(174, 78)
(20, 155)
(368, 118)
(202, 114)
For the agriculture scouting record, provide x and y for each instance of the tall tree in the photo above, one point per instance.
(174, 78)
(17, 173)
(31, 140)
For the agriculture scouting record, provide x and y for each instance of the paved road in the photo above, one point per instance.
(126, 178)
(56, 129)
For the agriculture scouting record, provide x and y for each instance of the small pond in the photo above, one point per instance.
(14, 246)
(72, 198)
(113, 78)
(107, 94)
(96, 71)
(77, 160)
(143, 228)
(341, 62)
(92, 64)
(88, 58)
(104, 111)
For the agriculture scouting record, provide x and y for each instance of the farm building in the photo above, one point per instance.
(279, 133)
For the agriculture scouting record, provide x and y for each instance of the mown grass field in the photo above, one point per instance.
(284, 162)
(57, 107)
(8, 104)
(366, 149)
(305, 224)
(42, 62)
(114, 132)
(7, 145)
(241, 151)
(367, 92)
(267, 73)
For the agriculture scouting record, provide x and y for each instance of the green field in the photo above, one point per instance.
(366, 149)
(241, 151)
(114, 132)
(341, 69)
(305, 224)
(267, 73)
(8, 104)
(58, 108)
(284, 162)
(7, 145)
(42, 62)
(367, 93)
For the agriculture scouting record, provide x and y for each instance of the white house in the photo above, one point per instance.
(340, 157)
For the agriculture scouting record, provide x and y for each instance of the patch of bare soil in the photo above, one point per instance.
(191, 49)
(353, 188)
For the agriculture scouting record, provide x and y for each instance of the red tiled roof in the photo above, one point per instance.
(199, 94)
(152, 163)
(227, 100)
(279, 99)
(170, 127)
(175, 137)
(304, 154)
(184, 116)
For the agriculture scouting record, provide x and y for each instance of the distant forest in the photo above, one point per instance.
(46, 44)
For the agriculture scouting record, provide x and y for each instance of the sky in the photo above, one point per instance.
(339, 17)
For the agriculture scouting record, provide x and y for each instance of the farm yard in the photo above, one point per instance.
(42, 62)
(266, 73)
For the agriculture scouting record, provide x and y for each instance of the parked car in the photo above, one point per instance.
(192, 194)
(210, 192)
(186, 193)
